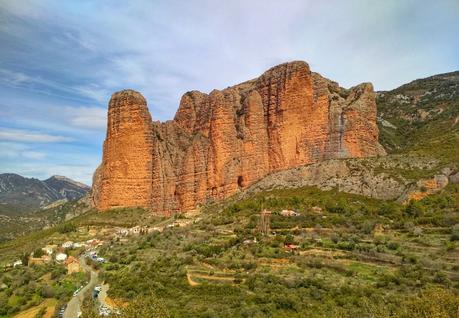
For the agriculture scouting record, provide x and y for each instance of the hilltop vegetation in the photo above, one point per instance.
(351, 256)
(27, 287)
(14, 226)
(422, 118)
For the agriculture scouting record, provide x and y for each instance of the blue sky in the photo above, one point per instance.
(61, 60)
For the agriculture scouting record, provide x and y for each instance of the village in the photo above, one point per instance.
(67, 252)
(77, 253)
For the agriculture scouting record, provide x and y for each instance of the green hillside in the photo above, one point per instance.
(355, 255)
(422, 118)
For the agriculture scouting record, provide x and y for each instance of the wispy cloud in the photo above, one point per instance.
(29, 136)
(87, 117)
(14, 150)
(33, 155)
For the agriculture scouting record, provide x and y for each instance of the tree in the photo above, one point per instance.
(88, 309)
(38, 253)
(67, 228)
(434, 302)
(289, 239)
(414, 208)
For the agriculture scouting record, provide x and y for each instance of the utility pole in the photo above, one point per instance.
(265, 221)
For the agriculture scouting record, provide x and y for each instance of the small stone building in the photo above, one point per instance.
(73, 265)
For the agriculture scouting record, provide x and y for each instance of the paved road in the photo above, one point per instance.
(73, 306)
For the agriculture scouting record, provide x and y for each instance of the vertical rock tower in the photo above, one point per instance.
(220, 143)
(125, 177)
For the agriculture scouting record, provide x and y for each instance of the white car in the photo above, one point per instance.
(77, 291)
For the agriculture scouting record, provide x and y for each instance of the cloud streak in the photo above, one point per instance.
(29, 136)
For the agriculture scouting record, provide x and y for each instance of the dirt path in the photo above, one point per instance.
(190, 281)
(191, 274)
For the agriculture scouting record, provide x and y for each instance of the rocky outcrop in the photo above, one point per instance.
(424, 188)
(221, 143)
(383, 178)
(357, 176)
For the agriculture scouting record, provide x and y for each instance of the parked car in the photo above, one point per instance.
(62, 311)
(100, 260)
(77, 291)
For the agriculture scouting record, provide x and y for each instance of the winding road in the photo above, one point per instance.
(73, 306)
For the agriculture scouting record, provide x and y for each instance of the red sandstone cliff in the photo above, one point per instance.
(219, 143)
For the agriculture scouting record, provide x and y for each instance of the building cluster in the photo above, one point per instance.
(289, 213)
(59, 254)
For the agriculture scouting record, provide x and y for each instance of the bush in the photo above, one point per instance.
(38, 253)
(392, 245)
(440, 278)
(47, 292)
(454, 236)
(66, 228)
(415, 209)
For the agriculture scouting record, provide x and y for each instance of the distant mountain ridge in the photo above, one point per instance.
(422, 117)
(19, 194)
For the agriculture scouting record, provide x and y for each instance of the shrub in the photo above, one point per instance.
(454, 236)
(415, 209)
(66, 228)
(38, 253)
(450, 246)
(441, 278)
(392, 245)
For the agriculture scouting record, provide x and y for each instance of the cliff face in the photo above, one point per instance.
(124, 179)
(222, 142)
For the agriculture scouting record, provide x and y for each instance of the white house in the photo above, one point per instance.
(289, 213)
(68, 244)
(78, 244)
(61, 257)
(49, 249)
(17, 263)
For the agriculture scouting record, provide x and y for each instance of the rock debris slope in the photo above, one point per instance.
(222, 142)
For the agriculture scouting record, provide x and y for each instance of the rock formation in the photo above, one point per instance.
(222, 142)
